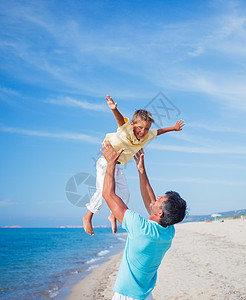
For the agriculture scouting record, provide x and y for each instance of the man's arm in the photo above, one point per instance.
(113, 106)
(115, 204)
(177, 127)
(145, 187)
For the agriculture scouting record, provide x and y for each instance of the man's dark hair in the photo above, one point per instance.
(174, 209)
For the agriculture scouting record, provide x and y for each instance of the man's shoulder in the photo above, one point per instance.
(134, 219)
(133, 222)
(130, 215)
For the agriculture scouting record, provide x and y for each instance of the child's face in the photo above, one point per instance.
(140, 129)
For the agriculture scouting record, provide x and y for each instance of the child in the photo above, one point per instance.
(132, 136)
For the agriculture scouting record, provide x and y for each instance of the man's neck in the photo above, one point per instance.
(155, 218)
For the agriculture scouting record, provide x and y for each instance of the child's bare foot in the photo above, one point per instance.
(112, 219)
(87, 223)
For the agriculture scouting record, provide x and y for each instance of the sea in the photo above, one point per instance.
(44, 263)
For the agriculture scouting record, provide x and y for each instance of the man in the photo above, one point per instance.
(148, 240)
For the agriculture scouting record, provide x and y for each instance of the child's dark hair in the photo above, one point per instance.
(142, 115)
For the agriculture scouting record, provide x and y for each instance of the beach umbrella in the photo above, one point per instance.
(215, 216)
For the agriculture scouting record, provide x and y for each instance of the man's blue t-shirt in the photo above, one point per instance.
(146, 245)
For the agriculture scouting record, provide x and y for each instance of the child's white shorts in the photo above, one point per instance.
(121, 187)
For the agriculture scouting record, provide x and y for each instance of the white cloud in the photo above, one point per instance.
(147, 55)
(68, 101)
(52, 202)
(231, 28)
(195, 180)
(217, 128)
(6, 203)
(198, 51)
(228, 90)
(199, 180)
(64, 135)
(204, 165)
(5, 90)
(193, 139)
(200, 150)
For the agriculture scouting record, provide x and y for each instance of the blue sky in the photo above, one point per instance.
(58, 61)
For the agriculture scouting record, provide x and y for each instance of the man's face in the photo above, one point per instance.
(140, 129)
(156, 207)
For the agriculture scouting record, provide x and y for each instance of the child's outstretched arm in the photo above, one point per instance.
(177, 127)
(113, 106)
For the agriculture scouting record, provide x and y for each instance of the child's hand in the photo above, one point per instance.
(111, 103)
(178, 125)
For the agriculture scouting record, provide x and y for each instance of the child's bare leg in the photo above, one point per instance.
(112, 219)
(87, 222)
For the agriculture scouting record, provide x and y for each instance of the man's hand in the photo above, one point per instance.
(145, 187)
(139, 159)
(111, 103)
(178, 125)
(109, 153)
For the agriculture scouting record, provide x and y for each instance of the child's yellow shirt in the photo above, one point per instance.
(125, 138)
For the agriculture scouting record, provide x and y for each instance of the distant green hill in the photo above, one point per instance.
(226, 214)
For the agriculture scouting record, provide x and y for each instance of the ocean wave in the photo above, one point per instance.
(103, 252)
(121, 239)
(93, 260)
(53, 292)
(92, 267)
(74, 272)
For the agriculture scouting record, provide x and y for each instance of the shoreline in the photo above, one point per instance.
(205, 261)
(99, 283)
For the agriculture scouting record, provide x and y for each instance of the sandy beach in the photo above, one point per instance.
(206, 261)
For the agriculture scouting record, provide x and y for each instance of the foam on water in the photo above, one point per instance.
(121, 239)
(93, 267)
(102, 253)
(91, 261)
(53, 292)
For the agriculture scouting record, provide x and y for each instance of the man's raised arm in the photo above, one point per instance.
(145, 187)
(115, 204)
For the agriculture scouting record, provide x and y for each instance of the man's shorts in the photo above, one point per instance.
(122, 297)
